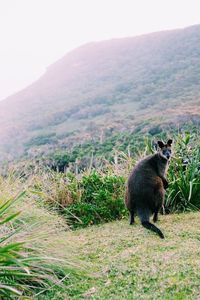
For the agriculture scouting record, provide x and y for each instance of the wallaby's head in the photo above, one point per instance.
(165, 149)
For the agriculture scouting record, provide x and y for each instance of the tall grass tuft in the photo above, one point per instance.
(22, 271)
(184, 174)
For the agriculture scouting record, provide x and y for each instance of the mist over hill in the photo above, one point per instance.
(143, 83)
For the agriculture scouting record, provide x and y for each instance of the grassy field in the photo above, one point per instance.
(119, 261)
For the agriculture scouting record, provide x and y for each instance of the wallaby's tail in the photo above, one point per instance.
(152, 227)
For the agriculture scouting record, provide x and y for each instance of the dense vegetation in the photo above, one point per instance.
(106, 88)
(89, 194)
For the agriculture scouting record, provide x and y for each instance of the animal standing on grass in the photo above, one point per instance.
(146, 187)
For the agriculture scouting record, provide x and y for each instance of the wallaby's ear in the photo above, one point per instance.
(160, 144)
(169, 143)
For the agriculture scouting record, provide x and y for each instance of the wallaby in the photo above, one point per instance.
(146, 187)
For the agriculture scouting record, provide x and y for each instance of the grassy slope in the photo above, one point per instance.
(125, 262)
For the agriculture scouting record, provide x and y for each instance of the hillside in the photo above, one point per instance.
(129, 84)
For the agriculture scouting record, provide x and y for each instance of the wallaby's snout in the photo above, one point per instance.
(167, 153)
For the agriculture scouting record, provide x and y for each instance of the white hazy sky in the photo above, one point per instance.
(35, 33)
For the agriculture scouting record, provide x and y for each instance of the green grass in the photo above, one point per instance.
(128, 262)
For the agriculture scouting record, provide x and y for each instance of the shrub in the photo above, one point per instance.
(101, 200)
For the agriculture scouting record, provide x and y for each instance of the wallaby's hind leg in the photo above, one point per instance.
(132, 220)
(155, 217)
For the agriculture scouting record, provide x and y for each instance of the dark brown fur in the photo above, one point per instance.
(146, 187)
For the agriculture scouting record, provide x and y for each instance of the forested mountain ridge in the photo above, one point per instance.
(130, 84)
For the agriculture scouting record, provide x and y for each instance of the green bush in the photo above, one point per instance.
(101, 200)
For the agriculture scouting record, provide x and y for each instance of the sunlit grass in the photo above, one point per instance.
(128, 262)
